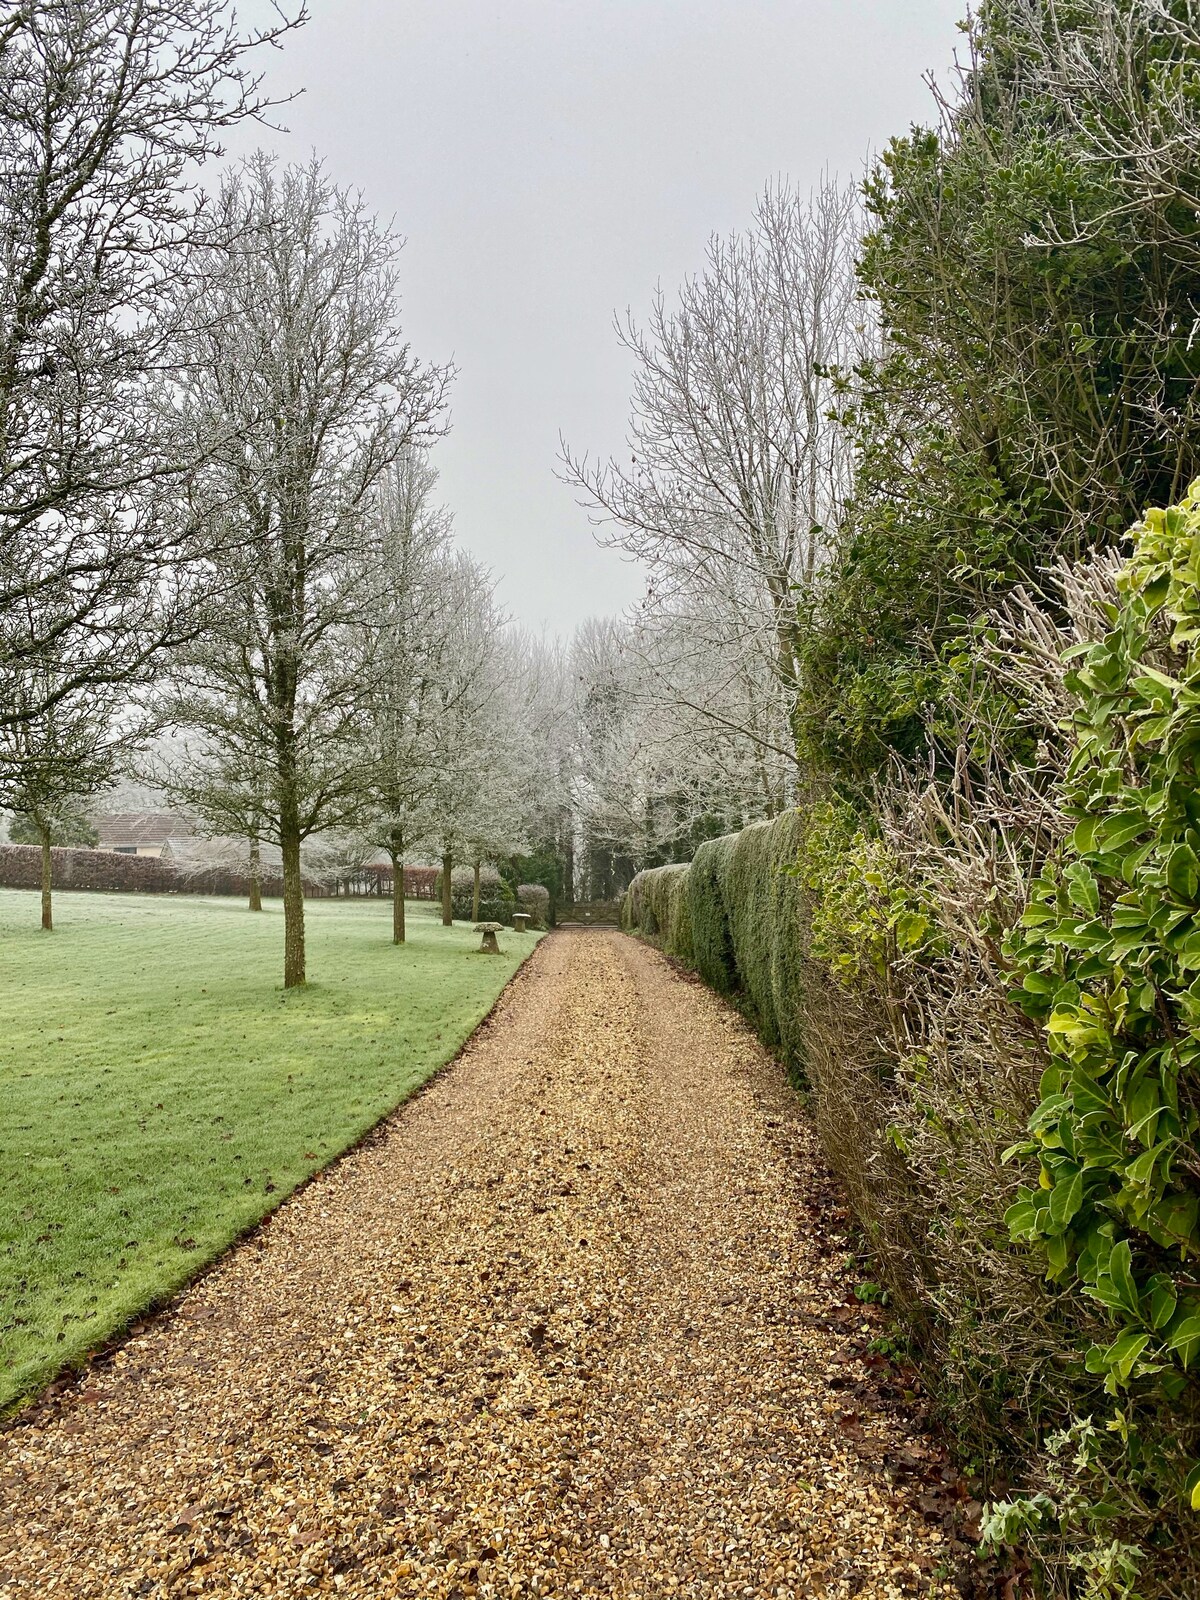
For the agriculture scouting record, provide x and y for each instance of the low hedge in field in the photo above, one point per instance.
(113, 872)
(21, 868)
(420, 883)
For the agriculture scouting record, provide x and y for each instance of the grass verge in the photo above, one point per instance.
(160, 1093)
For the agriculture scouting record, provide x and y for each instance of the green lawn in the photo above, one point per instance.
(159, 1092)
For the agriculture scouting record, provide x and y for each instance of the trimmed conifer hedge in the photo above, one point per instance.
(735, 915)
(657, 906)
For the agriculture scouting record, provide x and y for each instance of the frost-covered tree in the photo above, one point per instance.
(107, 109)
(410, 642)
(302, 393)
(739, 468)
(543, 714)
(511, 741)
(63, 750)
(672, 743)
(467, 700)
(217, 775)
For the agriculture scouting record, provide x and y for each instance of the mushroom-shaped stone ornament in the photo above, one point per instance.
(489, 930)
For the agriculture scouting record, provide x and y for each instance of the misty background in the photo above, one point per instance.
(548, 165)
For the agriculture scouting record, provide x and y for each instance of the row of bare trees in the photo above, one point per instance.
(217, 513)
(301, 396)
(106, 109)
(217, 506)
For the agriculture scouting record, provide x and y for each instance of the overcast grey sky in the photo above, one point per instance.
(549, 161)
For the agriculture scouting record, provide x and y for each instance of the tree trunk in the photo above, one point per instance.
(293, 896)
(475, 897)
(255, 875)
(568, 888)
(447, 903)
(287, 791)
(47, 870)
(397, 898)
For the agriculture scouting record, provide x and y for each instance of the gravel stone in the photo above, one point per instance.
(574, 1324)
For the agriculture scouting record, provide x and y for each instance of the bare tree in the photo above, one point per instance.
(466, 699)
(739, 467)
(700, 667)
(106, 109)
(216, 774)
(410, 643)
(303, 394)
(544, 752)
(500, 822)
(54, 757)
(655, 772)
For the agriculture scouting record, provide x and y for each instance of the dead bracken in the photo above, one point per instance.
(567, 1328)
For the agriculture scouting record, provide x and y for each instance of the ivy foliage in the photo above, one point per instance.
(1107, 959)
(866, 915)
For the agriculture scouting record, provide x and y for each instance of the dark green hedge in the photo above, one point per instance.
(492, 908)
(656, 905)
(736, 916)
(497, 902)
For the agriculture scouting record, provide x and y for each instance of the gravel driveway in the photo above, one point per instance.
(570, 1325)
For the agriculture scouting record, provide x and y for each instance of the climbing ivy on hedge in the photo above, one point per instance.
(1107, 959)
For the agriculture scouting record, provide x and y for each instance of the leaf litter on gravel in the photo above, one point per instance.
(577, 1324)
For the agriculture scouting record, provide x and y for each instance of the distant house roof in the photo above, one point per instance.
(142, 830)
